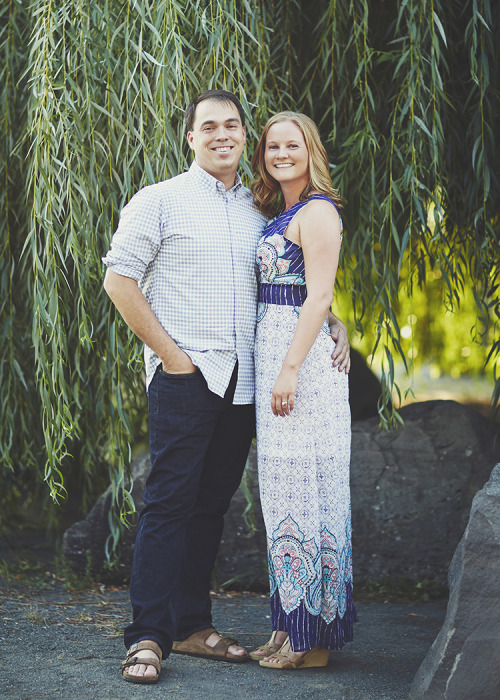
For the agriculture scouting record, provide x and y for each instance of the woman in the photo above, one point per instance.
(303, 416)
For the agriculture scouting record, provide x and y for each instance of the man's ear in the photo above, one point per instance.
(190, 139)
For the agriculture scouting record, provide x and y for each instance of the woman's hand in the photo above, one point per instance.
(283, 397)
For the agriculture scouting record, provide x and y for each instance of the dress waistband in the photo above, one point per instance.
(286, 294)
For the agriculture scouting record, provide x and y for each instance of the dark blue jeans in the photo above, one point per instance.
(199, 444)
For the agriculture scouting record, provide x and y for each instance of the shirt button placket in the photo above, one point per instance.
(227, 202)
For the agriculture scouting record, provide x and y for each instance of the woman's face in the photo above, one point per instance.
(286, 157)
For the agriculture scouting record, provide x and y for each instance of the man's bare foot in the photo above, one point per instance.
(233, 649)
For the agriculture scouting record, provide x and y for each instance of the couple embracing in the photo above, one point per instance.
(212, 278)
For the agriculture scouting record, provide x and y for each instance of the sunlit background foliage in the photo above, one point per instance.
(406, 95)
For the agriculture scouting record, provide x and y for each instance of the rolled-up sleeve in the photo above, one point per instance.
(137, 239)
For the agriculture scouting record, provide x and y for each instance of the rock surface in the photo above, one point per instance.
(464, 661)
(412, 489)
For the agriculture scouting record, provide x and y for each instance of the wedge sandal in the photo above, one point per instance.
(132, 660)
(195, 646)
(289, 661)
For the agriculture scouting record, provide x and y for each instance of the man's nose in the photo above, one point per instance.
(221, 133)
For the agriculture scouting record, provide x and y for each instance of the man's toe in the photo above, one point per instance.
(236, 650)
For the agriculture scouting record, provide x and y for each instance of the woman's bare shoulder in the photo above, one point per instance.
(319, 209)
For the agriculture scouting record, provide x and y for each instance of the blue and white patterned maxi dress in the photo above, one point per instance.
(303, 460)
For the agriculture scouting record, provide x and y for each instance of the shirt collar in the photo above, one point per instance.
(210, 182)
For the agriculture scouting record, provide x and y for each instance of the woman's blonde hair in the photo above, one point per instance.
(267, 191)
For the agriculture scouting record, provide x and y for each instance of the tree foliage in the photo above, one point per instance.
(92, 98)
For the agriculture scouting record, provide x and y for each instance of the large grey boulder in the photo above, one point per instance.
(412, 489)
(464, 661)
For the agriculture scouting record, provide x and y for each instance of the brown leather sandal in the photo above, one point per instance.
(195, 646)
(132, 660)
(289, 661)
(267, 649)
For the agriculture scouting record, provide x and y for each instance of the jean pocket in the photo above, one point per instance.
(170, 375)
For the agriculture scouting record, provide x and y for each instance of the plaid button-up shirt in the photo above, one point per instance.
(190, 245)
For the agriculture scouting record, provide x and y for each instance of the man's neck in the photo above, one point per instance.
(228, 179)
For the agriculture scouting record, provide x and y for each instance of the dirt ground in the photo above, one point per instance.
(60, 644)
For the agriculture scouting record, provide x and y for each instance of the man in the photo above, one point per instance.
(181, 272)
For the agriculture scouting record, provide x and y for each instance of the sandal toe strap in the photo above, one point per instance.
(223, 644)
(146, 645)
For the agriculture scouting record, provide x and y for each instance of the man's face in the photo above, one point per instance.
(218, 139)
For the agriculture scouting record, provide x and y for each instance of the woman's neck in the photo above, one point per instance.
(291, 193)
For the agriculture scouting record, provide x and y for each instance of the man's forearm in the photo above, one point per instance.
(333, 320)
(341, 356)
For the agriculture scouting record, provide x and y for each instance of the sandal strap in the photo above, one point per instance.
(146, 660)
(284, 656)
(267, 647)
(284, 653)
(145, 645)
(271, 644)
(203, 635)
(223, 644)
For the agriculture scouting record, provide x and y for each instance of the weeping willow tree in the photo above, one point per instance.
(405, 94)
